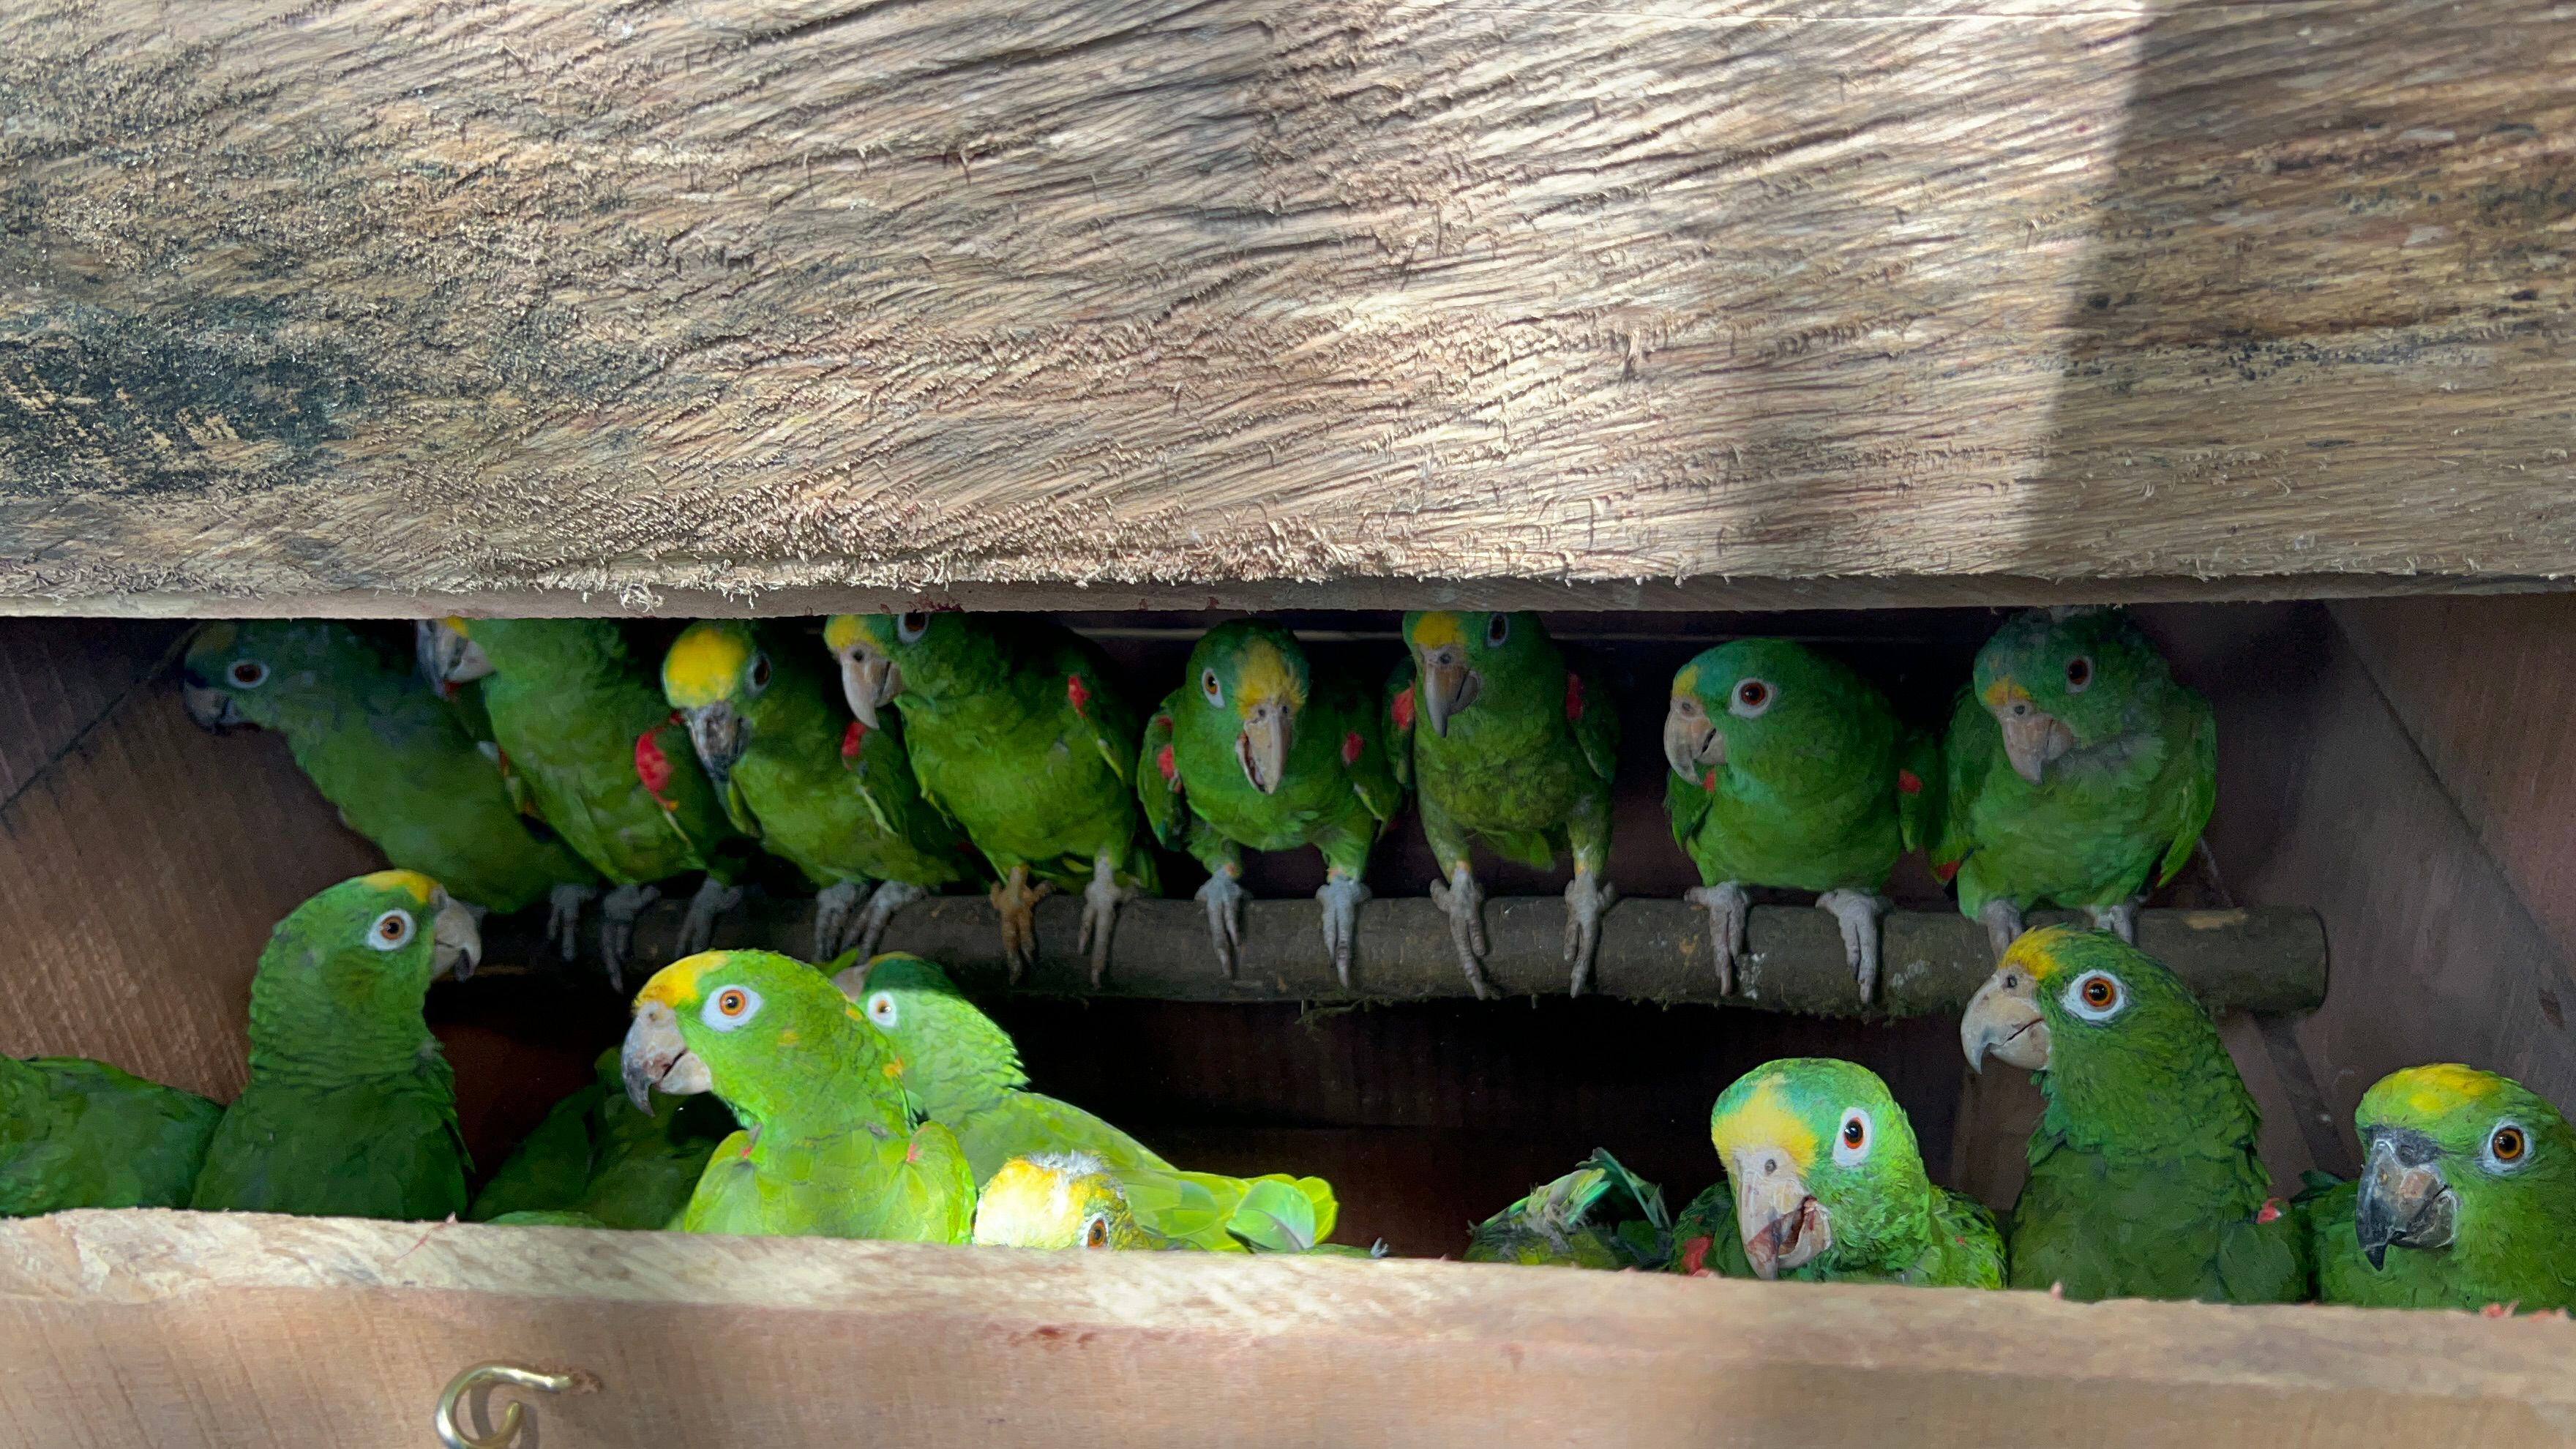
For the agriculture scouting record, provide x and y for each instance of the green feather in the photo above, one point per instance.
(82, 1134)
(596, 1156)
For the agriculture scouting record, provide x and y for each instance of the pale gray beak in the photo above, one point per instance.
(2404, 1201)
(868, 680)
(1781, 1223)
(446, 656)
(1262, 748)
(716, 733)
(2003, 1021)
(656, 1059)
(2032, 738)
(211, 708)
(1693, 744)
(456, 944)
(1448, 685)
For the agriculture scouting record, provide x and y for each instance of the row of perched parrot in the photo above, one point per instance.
(552, 761)
(2144, 1177)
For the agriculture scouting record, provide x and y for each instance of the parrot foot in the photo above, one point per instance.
(2120, 920)
(891, 896)
(1858, 914)
(1728, 908)
(698, 927)
(617, 912)
(1342, 896)
(1224, 898)
(563, 916)
(2003, 924)
(1464, 902)
(1100, 902)
(1017, 903)
(1587, 896)
(834, 907)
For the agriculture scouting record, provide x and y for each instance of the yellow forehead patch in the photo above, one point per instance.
(1265, 676)
(1764, 1119)
(841, 633)
(1433, 630)
(2441, 1086)
(676, 985)
(2036, 951)
(458, 626)
(704, 664)
(2003, 692)
(1686, 682)
(420, 886)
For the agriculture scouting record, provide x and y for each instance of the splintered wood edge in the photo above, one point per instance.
(140, 1257)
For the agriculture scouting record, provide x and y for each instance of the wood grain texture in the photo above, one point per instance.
(192, 1330)
(376, 307)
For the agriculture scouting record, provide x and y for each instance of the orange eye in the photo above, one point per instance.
(1854, 1134)
(1753, 692)
(249, 673)
(732, 1002)
(2099, 992)
(1095, 1234)
(2507, 1145)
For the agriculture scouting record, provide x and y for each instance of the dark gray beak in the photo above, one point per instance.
(2404, 1201)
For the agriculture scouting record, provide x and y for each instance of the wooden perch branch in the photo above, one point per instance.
(2261, 959)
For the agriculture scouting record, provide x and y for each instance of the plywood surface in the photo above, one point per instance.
(380, 307)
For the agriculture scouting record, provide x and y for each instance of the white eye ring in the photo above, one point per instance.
(1208, 686)
(2079, 674)
(1498, 629)
(1846, 1152)
(391, 931)
(744, 1004)
(2486, 1150)
(2075, 1000)
(1095, 1231)
(247, 674)
(910, 627)
(1751, 698)
(759, 678)
(882, 1010)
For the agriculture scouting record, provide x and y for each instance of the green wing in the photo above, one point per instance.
(2200, 785)
(1103, 715)
(1922, 796)
(1396, 719)
(1705, 1243)
(1158, 780)
(551, 1168)
(1598, 1216)
(1274, 1213)
(1373, 773)
(1595, 725)
(337, 1151)
(1026, 1124)
(77, 1133)
(546, 1218)
(1686, 807)
(1967, 753)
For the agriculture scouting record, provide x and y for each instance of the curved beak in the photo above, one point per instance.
(1262, 748)
(2003, 1020)
(656, 1059)
(2032, 737)
(447, 657)
(1781, 1223)
(1692, 743)
(717, 734)
(1448, 685)
(211, 708)
(868, 680)
(456, 942)
(2404, 1201)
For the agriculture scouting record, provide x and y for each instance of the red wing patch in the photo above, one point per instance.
(1075, 694)
(1351, 744)
(852, 739)
(912, 1153)
(1909, 783)
(1163, 762)
(1573, 695)
(1695, 1256)
(1709, 780)
(1945, 870)
(1404, 708)
(652, 767)
(2271, 1211)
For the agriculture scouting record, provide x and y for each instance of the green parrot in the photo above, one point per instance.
(351, 1106)
(831, 794)
(2079, 773)
(582, 725)
(1600, 1215)
(1824, 1183)
(2144, 1181)
(966, 1073)
(1256, 753)
(2471, 1179)
(81, 1134)
(1790, 770)
(404, 769)
(1013, 729)
(1059, 1200)
(832, 1145)
(1520, 751)
(596, 1157)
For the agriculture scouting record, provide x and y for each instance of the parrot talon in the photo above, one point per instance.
(2120, 920)
(2003, 924)
(1100, 902)
(835, 906)
(1858, 912)
(1728, 909)
(889, 897)
(1464, 901)
(617, 913)
(1224, 898)
(1016, 901)
(698, 927)
(1342, 895)
(1587, 898)
(563, 916)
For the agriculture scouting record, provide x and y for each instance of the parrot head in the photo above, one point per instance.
(449, 659)
(1819, 1155)
(371, 945)
(723, 1021)
(1751, 702)
(944, 1039)
(1054, 1200)
(2120, 1038)
(251, 673)
(715, 676)
(2064, 679)
(1251, 678)
(1456, 656)
(882, 655)
(2455, 1156)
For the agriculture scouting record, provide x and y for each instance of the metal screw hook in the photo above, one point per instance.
(512, 1412)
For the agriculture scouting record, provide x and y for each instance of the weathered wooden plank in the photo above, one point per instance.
(379, 306)
(189, 1330)
(2263, 959)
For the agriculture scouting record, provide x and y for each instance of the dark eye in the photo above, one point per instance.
(1851, 1144)
(760, 671)
(1750, 698)
(1854, 1134)
(910, 627)
(2079, 674)
(2507, 1145)
(1095, 1234)
(1209, 687)
(1497, 629)
(248, 673)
